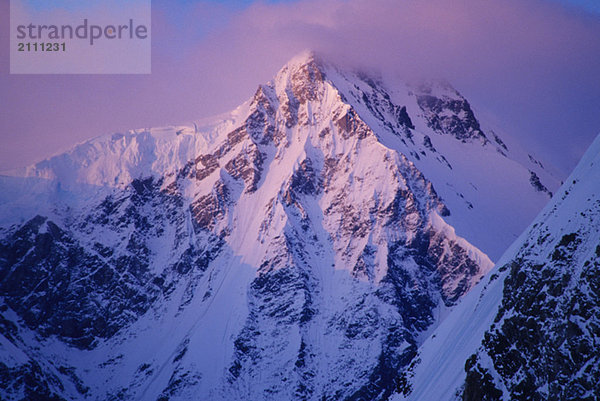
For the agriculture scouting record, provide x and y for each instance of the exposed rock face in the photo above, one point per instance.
(288, 252)
(542, 342)
(451, 115)
(536, 183)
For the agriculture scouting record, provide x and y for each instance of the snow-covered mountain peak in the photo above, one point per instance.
(299, 247)
(431, 124)
(305, 66)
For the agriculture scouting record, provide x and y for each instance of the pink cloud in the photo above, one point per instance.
(531, 63)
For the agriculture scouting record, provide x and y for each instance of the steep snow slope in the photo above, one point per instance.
(492, 187)
(294, 249)
(531, 330)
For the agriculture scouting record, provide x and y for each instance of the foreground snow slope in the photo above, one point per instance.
(531, 330)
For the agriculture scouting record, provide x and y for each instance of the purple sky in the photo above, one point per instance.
(532, 64)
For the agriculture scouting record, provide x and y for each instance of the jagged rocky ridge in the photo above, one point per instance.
(294, 250)
(531, 330)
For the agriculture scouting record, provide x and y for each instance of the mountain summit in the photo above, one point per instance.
(302, 247)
